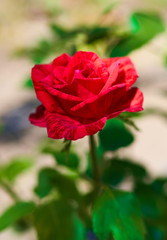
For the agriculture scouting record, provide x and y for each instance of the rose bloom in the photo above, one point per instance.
(79, 93)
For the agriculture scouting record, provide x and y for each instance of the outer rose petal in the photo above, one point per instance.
(131, 102)
(60, 126)
(127, 71)
(45, 71)
(136, 99)
(39, 72)
(38, 118)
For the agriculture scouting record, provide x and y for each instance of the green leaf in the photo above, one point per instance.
(155, 233)
(153, 203)
(92, 33)
(2, 127)
(50, 179)
(80, 231)
(117, 214)
(144, 27)
(154, 209)
(38, 53)
(64, 33)
(165, 60)
(146, 112)
(15, 213)
(115, 135)
(22, 225)
(110, 7)
(66, 157)
(28, 83)
(95, 33)
(155, 111)
(159, 185)
(129, 122)
(117, 170)
(147, 23)
(17, 166)
(131, 114)
(57, 220)
(72, 162)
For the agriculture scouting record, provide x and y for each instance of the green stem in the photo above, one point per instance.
(6, 186)
(66, 149)
(95, 169)
(25, 221)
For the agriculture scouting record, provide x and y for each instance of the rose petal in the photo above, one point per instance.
(113, 70)
(82, 59)
(97, 106)
(83, 87)
(60, 126)
(58, 73)
(136, 99)
(132, 101)
(38, 118)
(127, 72)
(62, 60)
(59, 65)
(41, 78)
(38, 73)
(63, 101)
(60, 94)
(47, 72)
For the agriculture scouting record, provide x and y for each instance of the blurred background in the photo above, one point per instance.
(37, 31)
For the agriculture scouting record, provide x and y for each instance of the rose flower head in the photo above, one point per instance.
(79, 93)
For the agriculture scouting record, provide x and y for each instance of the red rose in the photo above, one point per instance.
(79, 93)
